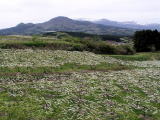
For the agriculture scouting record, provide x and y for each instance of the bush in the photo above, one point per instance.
(102, 47)
(125, 50)
(78, 47)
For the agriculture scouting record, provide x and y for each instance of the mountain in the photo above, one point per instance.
(129, 25)
(66, 24)
(153, 26)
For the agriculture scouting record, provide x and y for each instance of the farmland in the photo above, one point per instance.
(48, 84)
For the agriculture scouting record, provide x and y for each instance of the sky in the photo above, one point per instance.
(13, 12)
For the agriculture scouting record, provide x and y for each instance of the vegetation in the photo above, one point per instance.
(138, 56)
(77, 77)
(66, 68)
(64, 85)
(63, 41)
(84, 35)
(147, 40)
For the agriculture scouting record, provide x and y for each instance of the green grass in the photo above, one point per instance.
(138, 56)
(40, 44)
(87, 96)
(69, 67)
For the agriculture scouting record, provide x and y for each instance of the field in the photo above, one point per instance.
(64, 41)
(47, 84)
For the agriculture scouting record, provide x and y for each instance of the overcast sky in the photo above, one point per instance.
(13, 12)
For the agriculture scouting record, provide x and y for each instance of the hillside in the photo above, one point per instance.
(70, 41)
(65, 24)
(129, 25)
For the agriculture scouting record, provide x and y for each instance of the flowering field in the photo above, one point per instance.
(105, 88)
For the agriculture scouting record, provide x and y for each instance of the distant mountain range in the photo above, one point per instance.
(66, 24)
(130, 25)
(61, 23)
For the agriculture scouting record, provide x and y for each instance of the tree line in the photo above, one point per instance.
(147, 41)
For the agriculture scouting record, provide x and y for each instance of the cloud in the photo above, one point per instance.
(143, 11)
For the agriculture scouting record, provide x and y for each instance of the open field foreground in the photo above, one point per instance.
(63, 85)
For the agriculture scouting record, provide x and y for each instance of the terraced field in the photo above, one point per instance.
(63, 85)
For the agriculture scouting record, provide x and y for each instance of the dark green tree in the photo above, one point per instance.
(147, 40)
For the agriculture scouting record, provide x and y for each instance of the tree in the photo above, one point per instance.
(147, 40)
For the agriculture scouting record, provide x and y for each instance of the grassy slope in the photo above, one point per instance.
(35, 42)
(32, 87)
(48, 61)
(65, 42)
(80, 96)
(70, 67)
(138, 56)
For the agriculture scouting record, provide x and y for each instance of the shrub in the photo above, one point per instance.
(102, 47)
(78, 47)
(125, 50)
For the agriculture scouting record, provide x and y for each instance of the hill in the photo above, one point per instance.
(65, 24)
(129, 25)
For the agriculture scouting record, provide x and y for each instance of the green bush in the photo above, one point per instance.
(78, 47)
(102, 47)
(124, 50)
